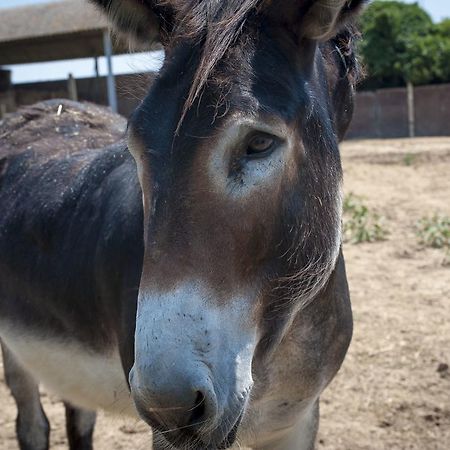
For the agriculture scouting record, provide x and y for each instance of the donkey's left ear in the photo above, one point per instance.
(317, 20)
(326, 18)
(143, 21)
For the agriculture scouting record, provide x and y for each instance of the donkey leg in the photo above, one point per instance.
(32, 426)
(80, 425)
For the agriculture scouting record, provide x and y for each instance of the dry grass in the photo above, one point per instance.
(393, 391)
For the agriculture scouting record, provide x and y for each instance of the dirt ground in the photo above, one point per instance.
(393, 391)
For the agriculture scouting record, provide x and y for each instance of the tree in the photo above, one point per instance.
(443, 28)
(401, 44)
(423, 63)
(443, 35)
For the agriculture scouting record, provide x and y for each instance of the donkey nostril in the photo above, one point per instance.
(199, 409)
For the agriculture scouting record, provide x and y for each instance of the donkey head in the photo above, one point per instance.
(236, 146)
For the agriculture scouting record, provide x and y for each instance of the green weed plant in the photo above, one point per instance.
(434, 232)
(360, 224)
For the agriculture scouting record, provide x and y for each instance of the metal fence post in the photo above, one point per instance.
(110, 82)
(411, 111)
(72, 88)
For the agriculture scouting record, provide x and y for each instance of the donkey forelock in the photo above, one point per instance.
(215, 24)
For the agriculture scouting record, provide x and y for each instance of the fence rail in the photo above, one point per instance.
(389, 113)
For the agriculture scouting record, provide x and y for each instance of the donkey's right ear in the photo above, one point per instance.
(142, 21)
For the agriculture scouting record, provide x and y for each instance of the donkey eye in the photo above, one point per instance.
(261, 145)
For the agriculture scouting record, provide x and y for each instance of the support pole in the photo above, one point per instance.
(97, 73)
(72, 88)
(110, 82)
(411, 111)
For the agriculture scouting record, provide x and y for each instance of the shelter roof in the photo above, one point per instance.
(65, 29)
(49, 19)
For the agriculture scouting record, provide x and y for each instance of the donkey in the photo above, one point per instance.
(193, 274)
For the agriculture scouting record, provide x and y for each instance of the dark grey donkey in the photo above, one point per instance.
(192, 274)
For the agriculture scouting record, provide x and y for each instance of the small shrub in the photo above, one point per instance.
(409, 159)
(434, 232)
(360, 224)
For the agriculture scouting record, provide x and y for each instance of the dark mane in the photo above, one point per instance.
(217, 25)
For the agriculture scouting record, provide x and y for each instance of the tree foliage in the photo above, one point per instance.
(401, 44)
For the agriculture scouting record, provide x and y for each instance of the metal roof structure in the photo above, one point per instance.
(66, 29)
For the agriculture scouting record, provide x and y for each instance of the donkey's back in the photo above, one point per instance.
(69, 201)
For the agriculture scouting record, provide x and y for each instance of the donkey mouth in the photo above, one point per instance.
(193, 441)
(231, 438)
